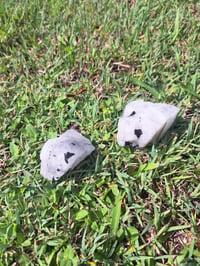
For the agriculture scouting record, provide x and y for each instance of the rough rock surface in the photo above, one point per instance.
(145, 122)
(59, 155)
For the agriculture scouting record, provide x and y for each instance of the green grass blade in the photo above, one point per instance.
(150, 89)
(116, 215)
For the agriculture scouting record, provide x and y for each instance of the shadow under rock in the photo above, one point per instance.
(178, 129)
(180, 126)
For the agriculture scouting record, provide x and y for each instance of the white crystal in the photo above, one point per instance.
(145, 122)
(59, 155)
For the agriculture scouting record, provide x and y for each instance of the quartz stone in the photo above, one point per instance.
(145, 122)
(59, 155)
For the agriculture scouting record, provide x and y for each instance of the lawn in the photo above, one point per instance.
(77, 63)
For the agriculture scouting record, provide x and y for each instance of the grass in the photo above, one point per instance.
(79, 62)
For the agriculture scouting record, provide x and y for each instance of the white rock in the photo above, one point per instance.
(145, 122)
(59, 155)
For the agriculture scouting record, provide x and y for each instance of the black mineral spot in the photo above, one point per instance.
(55, 178)
(138, 132)
(58, 170)
(68, 155)
(128, 143)
(54, 155)
(133, 113)
(131, 144)
(73, 144)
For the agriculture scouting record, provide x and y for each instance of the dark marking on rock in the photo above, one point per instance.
(58, 170)
(128, 143)
(73, 144)
(133, 113)
(54, 155)
(68, 155)
(55, 178)
(138, 132)
(131, 144)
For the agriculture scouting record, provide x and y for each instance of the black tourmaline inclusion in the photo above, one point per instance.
(128, 143)
(133, 113)
(138, 132)
(68, 155)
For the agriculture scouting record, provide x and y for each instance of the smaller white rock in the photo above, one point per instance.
(145, 122)
(59, 155)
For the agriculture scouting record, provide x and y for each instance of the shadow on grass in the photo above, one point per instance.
(180, 126)
(178, 129)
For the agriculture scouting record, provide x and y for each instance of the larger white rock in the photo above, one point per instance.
(59, 155)
(145, 122)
